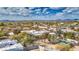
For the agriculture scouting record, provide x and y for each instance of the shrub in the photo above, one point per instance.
(69, 35)
(1, 24)
(52, 38)
(23, 38)
(63, 47)
(2, 33)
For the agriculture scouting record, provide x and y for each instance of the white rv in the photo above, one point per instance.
(10, 45)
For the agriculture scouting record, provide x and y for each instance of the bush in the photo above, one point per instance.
(69, 35)
(63, 47)
(2, 33)
(23, 38)
(1, 24)
(17, 31)
(52, 38)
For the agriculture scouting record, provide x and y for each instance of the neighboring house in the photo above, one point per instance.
(43, 27)
(67, 30)
(34, 32)
(11, 33)
(52, 33)
(76, 27)
(73, 42)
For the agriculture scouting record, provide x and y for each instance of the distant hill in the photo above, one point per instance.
(40, 20)
(7, 20)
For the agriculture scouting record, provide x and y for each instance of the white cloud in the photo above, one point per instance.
(69, 12)
(31, 7)
(55, 8)
(44, 10)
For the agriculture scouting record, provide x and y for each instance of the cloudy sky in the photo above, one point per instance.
(38, 13)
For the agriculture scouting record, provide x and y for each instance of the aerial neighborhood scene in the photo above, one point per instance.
(39, 28)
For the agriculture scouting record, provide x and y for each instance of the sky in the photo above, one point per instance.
(39, 13)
